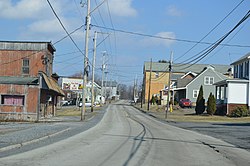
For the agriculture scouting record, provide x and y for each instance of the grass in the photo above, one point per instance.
(188, 115)
(72, 111)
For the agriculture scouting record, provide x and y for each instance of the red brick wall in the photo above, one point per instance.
(11, 62)
(25, 112)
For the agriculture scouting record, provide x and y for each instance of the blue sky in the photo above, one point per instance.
(189, 20)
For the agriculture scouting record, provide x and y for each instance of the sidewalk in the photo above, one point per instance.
(18, 134)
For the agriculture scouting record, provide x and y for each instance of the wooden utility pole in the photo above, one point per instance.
(169, 82)
(149, 86)
(85, 69)
(103, 67)
(93, 74)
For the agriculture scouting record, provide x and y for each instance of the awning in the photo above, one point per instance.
(52, 85)
(18, 80)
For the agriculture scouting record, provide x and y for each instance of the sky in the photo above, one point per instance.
(130, 32)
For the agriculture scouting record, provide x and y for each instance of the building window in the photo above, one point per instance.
(12, 100)
(247, 69)
(25, 67)
(195, 93)
(208, 80)
(235, 71)
(241, 71)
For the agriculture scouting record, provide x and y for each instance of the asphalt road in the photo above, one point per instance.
(125, 136)
(237, 134)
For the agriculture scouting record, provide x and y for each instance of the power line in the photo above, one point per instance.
(166, 38)
(65, 28)
(227, 42)
(211, 30)
(217, 43)
(69, 34)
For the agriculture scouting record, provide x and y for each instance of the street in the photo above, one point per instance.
(125, 136)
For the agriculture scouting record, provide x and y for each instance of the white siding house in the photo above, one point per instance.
(236, 91)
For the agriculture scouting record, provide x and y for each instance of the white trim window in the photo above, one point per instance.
(208, 80)
(26, 66)
(195, 93)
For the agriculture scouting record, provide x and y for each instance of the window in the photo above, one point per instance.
(235, 71)
(241, 71)
(247, 69)
(208, 80)
(12, 100)
(195, 93)
(25, 67)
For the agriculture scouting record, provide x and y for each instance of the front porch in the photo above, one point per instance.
(231, 93)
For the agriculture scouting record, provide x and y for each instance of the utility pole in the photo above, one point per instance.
(93, 74)
(106, 80)
(103, 67)
(135, 90)
(149, 86)
(169, 82)
(85, 69)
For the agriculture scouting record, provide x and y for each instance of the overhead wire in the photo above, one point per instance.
(227, 42)
(210, 30)
(54, 12)
(166, 38)
(217, 43)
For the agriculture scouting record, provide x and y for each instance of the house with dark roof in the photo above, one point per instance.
(236, 90)
(189, 85)
(28, 91)
(160, 77)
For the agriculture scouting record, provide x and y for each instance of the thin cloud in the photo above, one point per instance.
(122, 8)
(160, 42)
(23, 9)
(173, 11)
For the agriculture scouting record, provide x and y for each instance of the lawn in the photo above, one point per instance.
(188, 115)
(72, 111)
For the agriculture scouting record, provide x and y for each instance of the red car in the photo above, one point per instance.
(185, 103)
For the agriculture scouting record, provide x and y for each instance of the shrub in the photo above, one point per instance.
(211, 104)
(200, 102)
(153, 100)
(239, 111)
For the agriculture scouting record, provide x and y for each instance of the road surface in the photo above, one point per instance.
(126, 137)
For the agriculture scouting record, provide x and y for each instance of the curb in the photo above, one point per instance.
(155, 117)
(32, 141)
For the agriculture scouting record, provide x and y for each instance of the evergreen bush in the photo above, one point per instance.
(239, 111)
(211, 104)
(200, 102)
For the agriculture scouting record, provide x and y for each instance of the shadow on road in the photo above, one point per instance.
(232, 124)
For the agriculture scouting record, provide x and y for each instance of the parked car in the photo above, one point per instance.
(185, 103)
(64, 103)
(87, 104)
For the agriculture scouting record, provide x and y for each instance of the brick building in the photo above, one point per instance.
(27, 89)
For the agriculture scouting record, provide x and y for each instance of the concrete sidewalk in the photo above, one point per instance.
(18, 134)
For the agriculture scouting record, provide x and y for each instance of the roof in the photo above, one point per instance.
(235, 80)
(26, 45)
(52, 85)
(247, 56)
(185, 82)
(184, 68)
(18, 80)
(175, 76)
